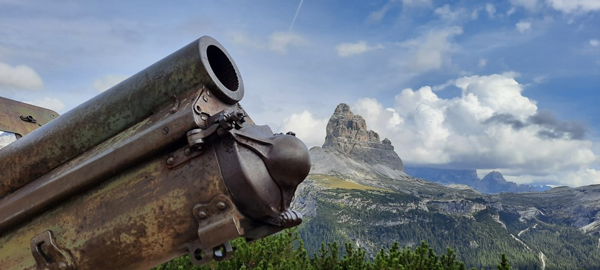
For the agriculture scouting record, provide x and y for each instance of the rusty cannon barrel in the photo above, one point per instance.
(202, 62)
(165, 163)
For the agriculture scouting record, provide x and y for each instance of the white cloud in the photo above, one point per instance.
(487, 127)
(581, 177)
(309, 129)
(445, 13)
(278, 42)
(54, 104)
(351, 49)
(475, 14)
(108, 81)
(491, 10)
(574, 6)
(482, 62)
(523, 26)
(243, 39)
(539, 79)
(378, 15)
(416, 3)
(511, 11)
(20, 77)
(594, 42)
(281, 41)
(530, 5)
(430, 51)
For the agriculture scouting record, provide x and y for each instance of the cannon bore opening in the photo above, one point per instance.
(222, 67)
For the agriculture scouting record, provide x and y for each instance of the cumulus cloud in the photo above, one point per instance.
(19, 77)
(523, 26)
(491, 125)
(281, 41)
(309, 129)
(51, 103)
(351, 49)
(585, 176)
(574, 6)
(549, 126)
(108, 81)
(432, 50)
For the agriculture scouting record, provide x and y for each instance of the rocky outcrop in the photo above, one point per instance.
(348, 134)
(354, 152)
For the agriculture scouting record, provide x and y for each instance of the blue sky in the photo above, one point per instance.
(500, 85)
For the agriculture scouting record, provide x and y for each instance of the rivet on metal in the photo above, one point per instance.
(165, 130)
(205, 98)
(203, 117)
(202, 215)
(170, 161)
(187, 151)
(221, 205)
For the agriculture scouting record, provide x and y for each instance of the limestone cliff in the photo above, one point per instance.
(348, 134)
(350, 149)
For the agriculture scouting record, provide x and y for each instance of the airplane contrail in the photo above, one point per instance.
(296, 15)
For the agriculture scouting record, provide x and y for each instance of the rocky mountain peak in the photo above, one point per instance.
(494, 176)
(347, 133)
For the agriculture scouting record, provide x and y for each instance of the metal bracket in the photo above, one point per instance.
(47, 255)
(217, 220)
(218, 123)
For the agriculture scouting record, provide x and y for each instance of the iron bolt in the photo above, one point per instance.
(170, 161)
(221, 205)
(205, 98)
(202, 215)
(165, 130)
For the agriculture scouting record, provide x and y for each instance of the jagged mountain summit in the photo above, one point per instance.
(348, 134)
(350, 149)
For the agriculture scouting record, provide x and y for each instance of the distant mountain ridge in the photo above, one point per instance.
(493, 182)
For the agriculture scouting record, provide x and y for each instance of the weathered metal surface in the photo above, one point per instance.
(202, 62)
(192, 175)
(22, 118)
(98, 164)
(136, 220)
(49, 256)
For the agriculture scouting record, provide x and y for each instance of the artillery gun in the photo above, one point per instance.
(164, 163)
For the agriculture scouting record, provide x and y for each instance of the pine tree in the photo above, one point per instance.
(504, 264)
